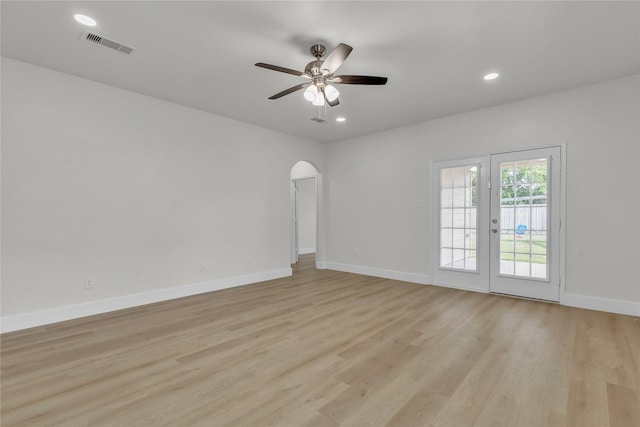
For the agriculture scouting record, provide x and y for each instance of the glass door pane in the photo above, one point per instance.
(458, 217)
(523, 218)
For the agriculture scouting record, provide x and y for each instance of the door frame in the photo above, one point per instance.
(467, 280)
(294, 222)
(547, 289)
(294, 225)
(448, 280)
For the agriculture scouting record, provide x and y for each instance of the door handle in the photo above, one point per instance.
(494, 230)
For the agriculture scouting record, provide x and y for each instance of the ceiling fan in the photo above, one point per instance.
(320, 73)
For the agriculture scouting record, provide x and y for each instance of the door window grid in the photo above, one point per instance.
(458, 217)
(523, 218)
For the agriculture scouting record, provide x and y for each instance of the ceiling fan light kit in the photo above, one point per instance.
(320, 72)
(316, 97)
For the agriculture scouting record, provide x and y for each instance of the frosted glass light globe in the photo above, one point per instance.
(331, 92)
(311, 93)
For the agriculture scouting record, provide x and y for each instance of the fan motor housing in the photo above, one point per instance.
(313, 68)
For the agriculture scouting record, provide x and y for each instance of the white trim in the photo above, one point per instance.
(298, 178)
(423, 279)
(293, 221)
(306, 251)
(603, 304)
(59, 314)
(470, 280)
(294, 231)
(562, 258)
(550, 288)
(571, 300)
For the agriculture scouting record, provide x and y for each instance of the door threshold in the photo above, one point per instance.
(525, 298)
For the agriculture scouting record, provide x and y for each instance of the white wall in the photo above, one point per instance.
(138, 193)
(373, 182)
(134, 192)
(306, 215)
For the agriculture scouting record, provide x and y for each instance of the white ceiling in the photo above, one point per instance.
(202, 54)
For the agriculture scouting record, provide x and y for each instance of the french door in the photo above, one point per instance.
(460, 240)
(498, 223)
(525, 223)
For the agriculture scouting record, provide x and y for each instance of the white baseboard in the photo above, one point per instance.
(306, 251)
(602, 304)
(423, 279)
(572, 300)
(59, 314)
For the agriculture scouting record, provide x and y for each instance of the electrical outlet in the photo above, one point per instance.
(356, 253)
(250, 261)
(203, 268)
(89, 283)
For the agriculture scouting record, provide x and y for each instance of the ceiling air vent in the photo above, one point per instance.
(318, 119)
(95, 38)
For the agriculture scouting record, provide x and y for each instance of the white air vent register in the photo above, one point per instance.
(98, 39)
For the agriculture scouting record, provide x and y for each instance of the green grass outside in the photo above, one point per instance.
(538, 246)
(521, 253)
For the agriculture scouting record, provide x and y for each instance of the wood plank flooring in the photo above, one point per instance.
(325, 348)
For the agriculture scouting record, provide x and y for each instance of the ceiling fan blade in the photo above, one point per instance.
(337, 56)
(281, 69)
(359, 80)
(290, 90)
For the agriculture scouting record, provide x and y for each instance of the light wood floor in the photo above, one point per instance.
(325, 349)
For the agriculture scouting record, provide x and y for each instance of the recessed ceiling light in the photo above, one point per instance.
(85, 20)
(491, 76)
(340, 119)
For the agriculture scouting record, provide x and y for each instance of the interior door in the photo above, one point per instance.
(525, 223)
